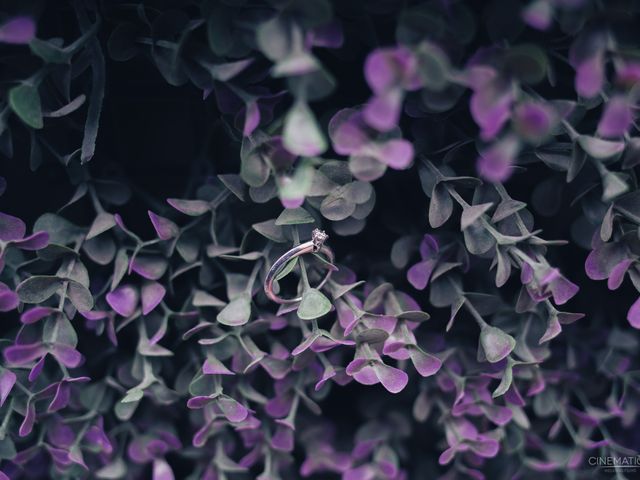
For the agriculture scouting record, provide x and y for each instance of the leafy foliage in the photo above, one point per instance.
(445, 146)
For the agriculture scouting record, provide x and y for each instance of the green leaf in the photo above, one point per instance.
(495, 343)
(38, 288)
(376, 296)
(80, 296)
(295, 188)
(7, 448)
(234, 184)
(60, 230)
(272, 37)
(193, 208)
(528, 62)
(366, 167)
(133, 395)
(599, 148)
(314, 304)
(505, 382)
(98, 82)
(103, 222)
(614, 184)
(338, 205)
(113, 470)
(237, 312)
(338, 290)
(219, 30)
(301, 133)
(254, 169)
(294, 216)
(25, 103)
(120, 266)
(287, 269)
(472, 213)
(414, 316)
(251, 256)
(205, 299)
(372, 335)
(433, 66)
(270, 230)
(53, 251)
(440, 206)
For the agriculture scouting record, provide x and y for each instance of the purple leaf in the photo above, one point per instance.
(365, 375)
(329, 373)
(485, 447)
(616, 118)
(634, 314)
(283, 439)
(152, 294)
(617, 274)
(495, 163)
(18, 30)
(162, 470)
(429, 247)
(61, 398)
(35, 241)
(124, 300)
(382, 111)
(393, 379)
(446, 456)
(561, 288)
(151, 267)
(534, 121)
(251, 119)
(23, 354)
(491, 101)
(199, 401)
(347, 131)
(419, 274)
(386, 68)
(425, 363)
(29, 420)
(232, 410)
(397, 153)
(590, 76)
(36, 370)
(66, 355)
(603, 259)
(538, 14)
(497, 414)
(164, 227)
(37, 313)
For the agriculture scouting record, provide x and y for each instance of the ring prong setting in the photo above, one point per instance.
(318, 237)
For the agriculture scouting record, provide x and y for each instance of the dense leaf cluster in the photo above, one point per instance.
(473, 164)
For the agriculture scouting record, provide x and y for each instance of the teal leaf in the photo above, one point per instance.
(496, 344)
(24, 100)
(302, 135)
(294, 216)
(314, 304)
(237, 312)
(38, 288)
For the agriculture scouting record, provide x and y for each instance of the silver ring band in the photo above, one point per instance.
(316, 244)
